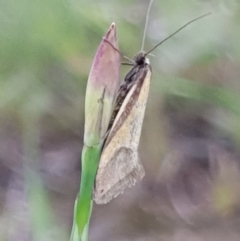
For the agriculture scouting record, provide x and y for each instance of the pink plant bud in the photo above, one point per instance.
(102, 87)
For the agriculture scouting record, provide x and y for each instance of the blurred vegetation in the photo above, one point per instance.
(46, 50)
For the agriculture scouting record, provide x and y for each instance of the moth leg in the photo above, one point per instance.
(101, 101)
(98, 126)
(107, 41)
(100, 111)
(122, 55)
(102, 97)
(130, 64)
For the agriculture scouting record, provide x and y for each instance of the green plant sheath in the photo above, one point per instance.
(83, 204)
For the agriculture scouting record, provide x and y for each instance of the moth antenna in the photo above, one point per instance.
(146, 24)
(122, 55)
(185, 25)
(129, 59)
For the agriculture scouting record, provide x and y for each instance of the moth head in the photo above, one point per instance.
(140, 58)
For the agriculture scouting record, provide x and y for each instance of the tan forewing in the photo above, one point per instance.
(119, 164)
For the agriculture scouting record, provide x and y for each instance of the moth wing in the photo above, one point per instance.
(123, 170)
(119, 165)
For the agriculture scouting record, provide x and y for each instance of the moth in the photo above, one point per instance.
(119, 165)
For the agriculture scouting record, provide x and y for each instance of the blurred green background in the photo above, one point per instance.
(190, 139)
